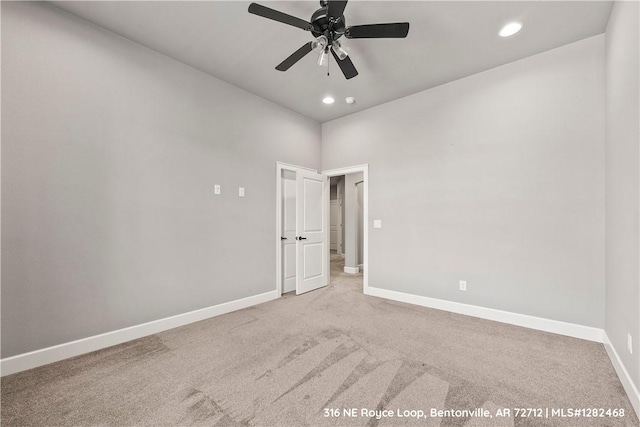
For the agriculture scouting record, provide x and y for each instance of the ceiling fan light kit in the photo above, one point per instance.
(323, 59)
(327, 25)
(341, 50)
(320, 42)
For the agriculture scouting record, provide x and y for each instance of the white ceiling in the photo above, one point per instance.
(447, 40)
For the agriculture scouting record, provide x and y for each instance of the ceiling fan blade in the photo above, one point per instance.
(295, 57)
(336, 8)
(347, 67)
(398, 30)
(275, 15)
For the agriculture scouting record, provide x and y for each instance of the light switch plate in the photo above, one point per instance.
(216, 189)
(377, 223)
(241, 192)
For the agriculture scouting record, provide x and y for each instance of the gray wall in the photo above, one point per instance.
(109, 156)
(622, 184)
(497, 179)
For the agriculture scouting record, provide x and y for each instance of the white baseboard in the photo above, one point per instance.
(33, 359)
(351, 270)
(541, 324)
(623, 374)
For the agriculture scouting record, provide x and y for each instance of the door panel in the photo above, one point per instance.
(333, 239)
(289, 267)
(312, 206)
(289, 212)
(335, 224)
(312, 261)
(289, 208)
(312, 245)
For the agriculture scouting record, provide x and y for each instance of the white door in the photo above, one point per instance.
(335, 224)
(312, 231)
(288, 231)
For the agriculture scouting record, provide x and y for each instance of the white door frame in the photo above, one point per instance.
(280, 166)
(365, 200)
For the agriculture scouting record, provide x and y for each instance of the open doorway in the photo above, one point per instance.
(348, 219)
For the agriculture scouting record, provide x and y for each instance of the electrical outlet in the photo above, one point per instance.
(630, 343)
(216, 189)
(463, 285)
(241, 191)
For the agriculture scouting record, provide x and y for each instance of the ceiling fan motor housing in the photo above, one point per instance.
(322, 25)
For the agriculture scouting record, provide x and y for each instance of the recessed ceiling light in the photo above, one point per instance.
(328, 100)
(349, 100)
(510, 29)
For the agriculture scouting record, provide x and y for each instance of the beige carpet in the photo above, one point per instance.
(286, 361)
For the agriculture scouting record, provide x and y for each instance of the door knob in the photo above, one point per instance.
(301, 238)
(283, 238)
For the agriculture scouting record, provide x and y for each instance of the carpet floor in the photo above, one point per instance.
(329, 357)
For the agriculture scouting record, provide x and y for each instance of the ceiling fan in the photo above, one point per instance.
(327, 25)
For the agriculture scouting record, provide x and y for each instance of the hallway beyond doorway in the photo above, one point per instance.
(339, 278)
